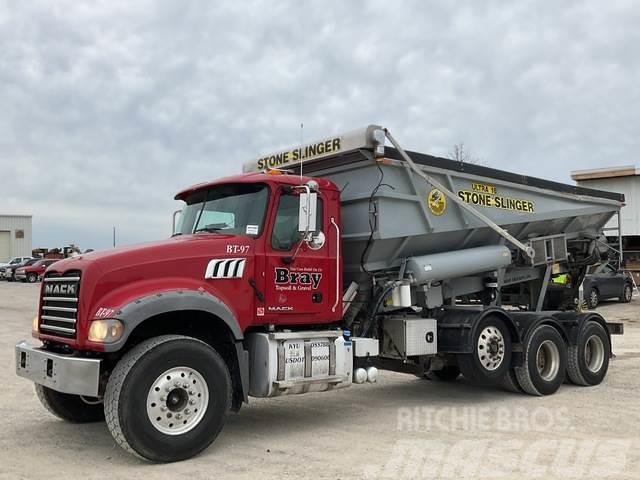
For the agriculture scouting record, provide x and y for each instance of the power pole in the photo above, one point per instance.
(114, 237)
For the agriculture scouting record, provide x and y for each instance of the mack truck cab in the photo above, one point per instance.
(277, 282)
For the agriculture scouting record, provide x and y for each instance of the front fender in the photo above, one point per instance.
(137, 311)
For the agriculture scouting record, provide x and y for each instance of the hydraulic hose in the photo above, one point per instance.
(374, 311)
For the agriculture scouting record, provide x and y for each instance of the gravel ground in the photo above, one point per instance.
(400, 427)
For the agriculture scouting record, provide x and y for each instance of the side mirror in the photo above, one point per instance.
(307, 212)
(317, 240)
(173, 225)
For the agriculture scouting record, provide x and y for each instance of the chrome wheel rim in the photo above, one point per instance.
(177, 401)
(627, 293)
(594, 354)
(548, 360)
(490, 348)
(594, 298)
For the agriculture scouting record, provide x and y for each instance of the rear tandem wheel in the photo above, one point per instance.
(545, 362)
(588, 359)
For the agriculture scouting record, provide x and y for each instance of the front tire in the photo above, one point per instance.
(72, 408)
(588, 360)
(490, 359)
(32, 278)
(545, 362)
(167, 398)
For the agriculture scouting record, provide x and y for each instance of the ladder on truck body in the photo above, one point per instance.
(620, 252)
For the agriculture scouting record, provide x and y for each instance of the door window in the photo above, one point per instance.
(285, 228)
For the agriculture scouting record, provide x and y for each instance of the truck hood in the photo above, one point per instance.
(174, 248)
(112, 279)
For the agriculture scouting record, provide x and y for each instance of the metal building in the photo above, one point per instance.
(625, 180)
(15, 236)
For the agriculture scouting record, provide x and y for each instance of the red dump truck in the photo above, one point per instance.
(309, 272)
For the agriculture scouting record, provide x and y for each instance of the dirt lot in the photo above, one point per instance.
(401, 427)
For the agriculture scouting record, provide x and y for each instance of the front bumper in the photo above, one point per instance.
(20, 276)
(63, 373)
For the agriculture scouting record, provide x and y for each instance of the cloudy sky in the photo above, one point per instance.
(108, 108)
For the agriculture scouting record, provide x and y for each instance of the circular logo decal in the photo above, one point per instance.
(437, 202)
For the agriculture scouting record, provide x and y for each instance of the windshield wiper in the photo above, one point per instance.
(208, 229)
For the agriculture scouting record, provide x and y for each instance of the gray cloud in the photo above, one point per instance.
(109, 108)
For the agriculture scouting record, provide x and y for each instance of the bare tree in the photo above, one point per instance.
(463, 155)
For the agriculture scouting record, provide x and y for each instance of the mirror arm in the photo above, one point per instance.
(290, 259)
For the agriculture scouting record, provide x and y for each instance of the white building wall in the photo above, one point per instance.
(630, 186)
(18, 246)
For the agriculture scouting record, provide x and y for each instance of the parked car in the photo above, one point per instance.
(9, 272)
(14, 262)
(34, 272)
(605, 282)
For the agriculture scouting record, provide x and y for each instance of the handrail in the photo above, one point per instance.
(335, 305)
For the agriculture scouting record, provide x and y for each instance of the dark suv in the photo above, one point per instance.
(604, 282)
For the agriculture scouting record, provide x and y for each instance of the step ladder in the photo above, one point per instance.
(633, 279)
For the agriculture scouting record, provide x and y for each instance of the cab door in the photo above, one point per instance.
(298, 279)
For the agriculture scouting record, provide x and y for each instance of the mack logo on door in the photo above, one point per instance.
(225, 268)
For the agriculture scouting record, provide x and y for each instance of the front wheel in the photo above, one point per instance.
(72, 408)
(167, 398)
(32, 278)
(490, 358)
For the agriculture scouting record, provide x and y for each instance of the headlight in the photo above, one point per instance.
(105, 331)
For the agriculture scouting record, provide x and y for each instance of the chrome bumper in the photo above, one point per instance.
(63, 373)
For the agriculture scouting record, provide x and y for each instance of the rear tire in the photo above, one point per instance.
(588, 360)
(510, 382)
(545, 362)
(167, 398)
(72, 408)
(627, 293)
(491, 356)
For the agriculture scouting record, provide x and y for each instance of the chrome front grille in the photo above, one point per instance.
(59, 305)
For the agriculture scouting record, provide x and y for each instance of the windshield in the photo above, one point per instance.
(236, 208)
